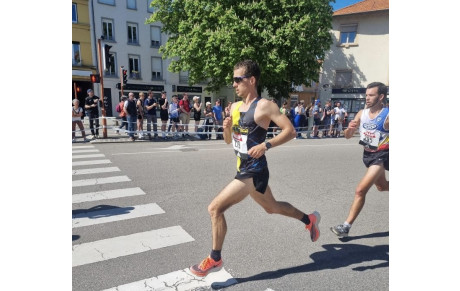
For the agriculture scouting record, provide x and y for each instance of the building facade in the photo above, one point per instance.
(358, 56)
(83, 64)
(134, 45)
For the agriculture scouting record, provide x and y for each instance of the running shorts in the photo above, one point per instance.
(259, 179)
(376, 158)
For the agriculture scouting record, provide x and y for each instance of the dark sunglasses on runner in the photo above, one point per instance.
(239, 79)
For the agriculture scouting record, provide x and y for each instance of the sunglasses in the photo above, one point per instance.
(239, 79)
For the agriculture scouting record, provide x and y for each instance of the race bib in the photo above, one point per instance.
(240, 144)
(370, 139)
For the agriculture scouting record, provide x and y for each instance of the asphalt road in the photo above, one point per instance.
(261, 251)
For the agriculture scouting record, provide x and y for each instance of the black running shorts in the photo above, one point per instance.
(375, 158)
(260, 179)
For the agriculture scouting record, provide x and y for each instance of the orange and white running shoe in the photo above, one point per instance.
(313, 226)
(206, 266)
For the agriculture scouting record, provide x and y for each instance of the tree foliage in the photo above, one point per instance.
(207, 38)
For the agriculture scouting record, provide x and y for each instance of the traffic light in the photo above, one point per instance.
(125, 76)
(95, 78)
(107, 56)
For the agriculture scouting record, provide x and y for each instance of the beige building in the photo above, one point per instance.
(359, 54)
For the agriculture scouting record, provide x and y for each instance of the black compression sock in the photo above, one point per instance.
(305, 219)
(215, 255)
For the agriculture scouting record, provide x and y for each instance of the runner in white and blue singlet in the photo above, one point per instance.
(374, 129)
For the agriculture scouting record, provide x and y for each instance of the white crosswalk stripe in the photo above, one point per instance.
(115, 214)
(87, 163)
(109, 194)
(83, 147)
(111, 248)
(88, 156)
(95, 170)
(99, 181)
(85, 151)
(178, 280)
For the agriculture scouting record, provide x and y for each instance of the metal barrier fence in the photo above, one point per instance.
(308, 131)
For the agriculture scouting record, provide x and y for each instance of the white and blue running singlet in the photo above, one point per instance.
(372, 134)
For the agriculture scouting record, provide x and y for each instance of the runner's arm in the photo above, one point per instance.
(353, 125)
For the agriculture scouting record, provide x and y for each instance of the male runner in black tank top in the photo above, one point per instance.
(246, 129)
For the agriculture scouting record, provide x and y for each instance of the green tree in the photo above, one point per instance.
(288, 38)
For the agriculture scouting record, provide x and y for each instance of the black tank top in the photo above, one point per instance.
(246, 134)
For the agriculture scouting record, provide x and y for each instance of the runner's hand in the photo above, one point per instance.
(227, 123)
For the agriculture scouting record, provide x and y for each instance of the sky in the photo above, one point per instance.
(339, 4)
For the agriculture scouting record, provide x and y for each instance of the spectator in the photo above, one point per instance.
(340, 115)
(327, 124)
(92, 111)
(292, 113)
(208, 119)
(164, 115)
(299, 120)
(140, 114)
(184, 116)
(317, 112)
(150, 105)
(196, 112)
(284, 109)
(174, 110)
(122, 114)
(217, 111)
(131, 114)
(227, 109)
(77, 113)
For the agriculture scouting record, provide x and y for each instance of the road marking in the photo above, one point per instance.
(83, 147)
(112, 248)
(178, 280)
(98, 181)
(88, 156)
(95, 162)
(95, 171)
(103, 195)
(115, 214)
(85, 151)
(174, 147)
(226, 147)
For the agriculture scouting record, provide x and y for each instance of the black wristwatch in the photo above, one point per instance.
(268, 145)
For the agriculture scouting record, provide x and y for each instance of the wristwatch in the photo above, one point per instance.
(268, 145)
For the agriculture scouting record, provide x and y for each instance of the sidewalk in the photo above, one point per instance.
(113, 137)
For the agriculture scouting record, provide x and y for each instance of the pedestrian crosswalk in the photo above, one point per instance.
(88, 174)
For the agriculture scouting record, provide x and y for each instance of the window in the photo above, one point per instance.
(76, 59)
(132, 33)
(108, 2)
(183, 77)
(131, 4)
(74, 13)
(134, 68)
(111, 71)
(348, 33)
(150, 9)
(343, 79)
(157, 71)
(155, 36)
(107, 29)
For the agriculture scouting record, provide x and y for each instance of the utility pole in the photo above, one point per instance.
(104, 121)
(121, 80)
(75, 90)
